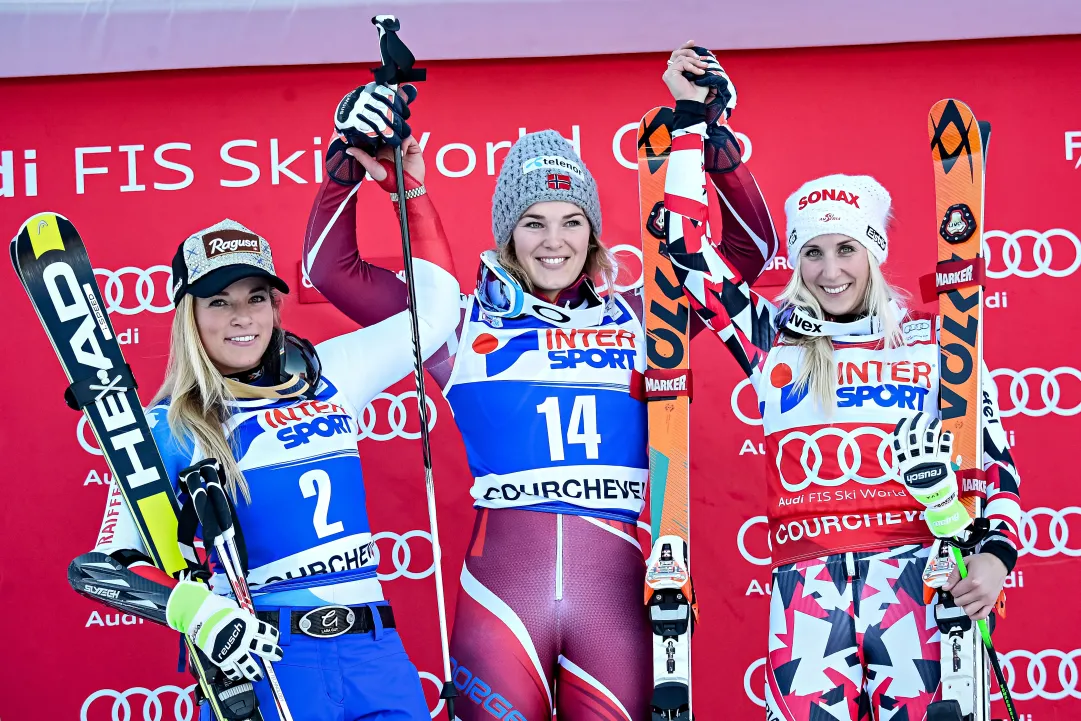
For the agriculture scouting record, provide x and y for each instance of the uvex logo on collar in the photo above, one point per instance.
(804, 324)
(230, 241)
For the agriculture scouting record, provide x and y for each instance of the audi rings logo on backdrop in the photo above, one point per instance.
(1049, 674)
(1049, 398)
(401, 554)
(400, 408)
(635, 268)
(182, 704)
(848, 449)
(756, 419)
(748, 688)
(741, 541)
(86, 437)
(1015, 261)
(132, 290)
(425, 676)
(1056, 542)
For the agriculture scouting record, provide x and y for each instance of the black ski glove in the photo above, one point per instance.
(374, 114)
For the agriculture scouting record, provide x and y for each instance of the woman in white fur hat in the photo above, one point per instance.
(838, 366)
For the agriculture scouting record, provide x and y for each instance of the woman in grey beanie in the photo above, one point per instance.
(546, 217)
(544, 380)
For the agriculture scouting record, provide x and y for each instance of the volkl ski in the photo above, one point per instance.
(958, 145)
(669, 593)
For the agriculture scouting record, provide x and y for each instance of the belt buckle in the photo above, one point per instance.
(327, 621)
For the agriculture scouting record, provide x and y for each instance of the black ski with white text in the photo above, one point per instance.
(51, 261)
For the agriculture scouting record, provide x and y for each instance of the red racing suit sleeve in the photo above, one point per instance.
(717, 276)
(366, 293)
(1003, 508)
(748, 236)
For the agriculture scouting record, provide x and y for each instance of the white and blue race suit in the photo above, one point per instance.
(556, 383)
(306, 526)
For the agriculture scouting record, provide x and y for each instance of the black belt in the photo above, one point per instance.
(331, 621)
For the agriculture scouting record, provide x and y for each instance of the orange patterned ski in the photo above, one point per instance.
(668, 592)
(958, 155)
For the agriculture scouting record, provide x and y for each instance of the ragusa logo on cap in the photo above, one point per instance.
(230, 241)
(547, 162)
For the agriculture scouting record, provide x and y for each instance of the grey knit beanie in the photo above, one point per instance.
(540, 167)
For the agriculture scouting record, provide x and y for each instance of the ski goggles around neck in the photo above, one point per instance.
(501, 296)
(498, 293)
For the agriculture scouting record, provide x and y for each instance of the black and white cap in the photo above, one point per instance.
(211, 260)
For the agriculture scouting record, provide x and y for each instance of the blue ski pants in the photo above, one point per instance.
(353, 677)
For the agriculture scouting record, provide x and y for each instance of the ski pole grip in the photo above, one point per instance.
(397, 59)
(192, 480)
(217, 499)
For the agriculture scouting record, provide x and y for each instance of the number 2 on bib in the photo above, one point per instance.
(582, 428)
(317, 483)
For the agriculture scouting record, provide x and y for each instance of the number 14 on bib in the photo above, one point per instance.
(669, 595)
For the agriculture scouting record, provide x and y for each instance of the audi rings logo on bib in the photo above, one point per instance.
(390, 416)
(1038, 392)
(1055, 253)
(1050, 539)
(164, 703)
(1049, 674)
(132, 290)
(832, 456)
(400, 553)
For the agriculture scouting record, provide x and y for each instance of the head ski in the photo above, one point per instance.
(49, 257)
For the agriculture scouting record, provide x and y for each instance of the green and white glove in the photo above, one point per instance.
(922, 453)
(227, 634)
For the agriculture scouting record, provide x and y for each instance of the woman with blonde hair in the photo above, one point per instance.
(281, 418)
(843, 369)
(544, 380)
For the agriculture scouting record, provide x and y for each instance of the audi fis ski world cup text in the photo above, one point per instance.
(244, 162)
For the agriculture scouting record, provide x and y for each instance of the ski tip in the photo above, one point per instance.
(43, 232)
(660, 115)
(654, 132)
(38, 217)
(948, 108)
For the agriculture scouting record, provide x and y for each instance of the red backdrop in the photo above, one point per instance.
(163, 154)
